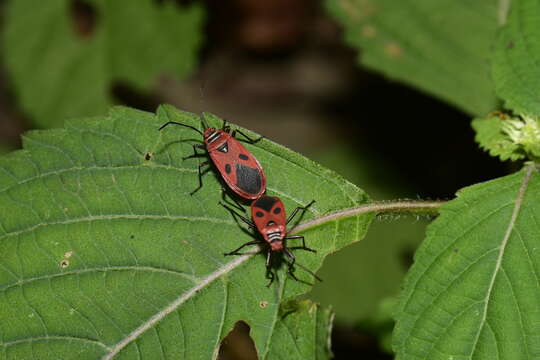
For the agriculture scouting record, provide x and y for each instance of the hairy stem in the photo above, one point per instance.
(412, 207)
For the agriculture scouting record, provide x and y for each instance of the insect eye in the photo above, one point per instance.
(259, 214)
(277, 210)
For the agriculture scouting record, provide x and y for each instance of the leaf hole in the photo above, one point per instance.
(84, 17)
(148, 156)
(238, 344)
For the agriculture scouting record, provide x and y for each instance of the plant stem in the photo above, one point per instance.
(412, 207)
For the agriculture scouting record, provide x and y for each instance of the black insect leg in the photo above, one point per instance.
(292, 258)
(248, 139)
(303, 247)
(201, 173)
(249, 243)
(295, 211)
(195, 153)
(235, 214)
(230, 199)
(269, 273)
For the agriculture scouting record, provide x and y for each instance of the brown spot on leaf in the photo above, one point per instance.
(64, 263)
(393, 50)
(368, 31)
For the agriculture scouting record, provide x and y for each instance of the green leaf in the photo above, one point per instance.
(509, 138)
(516, 69)
(491, 137)
(474, 289)
(58, 74)
(103, 250)
(439, 47)
(305, 329)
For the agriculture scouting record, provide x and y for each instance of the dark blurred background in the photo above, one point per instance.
(281, 69)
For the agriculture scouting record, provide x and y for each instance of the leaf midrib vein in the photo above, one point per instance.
(504, 242)
(135, 334)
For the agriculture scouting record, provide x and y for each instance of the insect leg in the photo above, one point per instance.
(235, 214)
(195, 153)
(292, 258)
(204, 163)
(249, 243)
(232, 199)
(295, 211)
(248, 139)
(303, 247)
(269, 273)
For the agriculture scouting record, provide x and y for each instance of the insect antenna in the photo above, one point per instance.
(177, 123)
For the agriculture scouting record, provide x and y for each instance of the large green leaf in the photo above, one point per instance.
(103, 250)
(474, 289)
(516, 64)
(440, 47)
(305, 329)
(59, 75)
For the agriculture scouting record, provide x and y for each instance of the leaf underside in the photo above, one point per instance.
(58, 73)
(440, 47)
(103, 252)
(474, 289)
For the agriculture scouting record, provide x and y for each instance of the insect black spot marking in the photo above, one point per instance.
(259, 214)
(243, 157)
(248, 179)
(277, 210)
(228, 168)
(265, 202)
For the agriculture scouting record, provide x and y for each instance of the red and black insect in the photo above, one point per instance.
(270, 221)
(240, 170)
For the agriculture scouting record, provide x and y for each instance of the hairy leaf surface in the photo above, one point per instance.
(516, 63)
(474, 289)
(104, 252)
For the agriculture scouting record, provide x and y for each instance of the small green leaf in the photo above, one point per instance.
(59, 75)
(474, 291)
(104, 252)
(509, 138)
(305, 329)
(516, 69)
(440, 47)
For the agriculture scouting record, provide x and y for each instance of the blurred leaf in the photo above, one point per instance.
(305, 329)
(358, 278)
(58, 74)
(440, 47)
(516, 69)
(473, 291)
(102, 249)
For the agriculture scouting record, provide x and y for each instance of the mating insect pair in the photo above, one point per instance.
(244, 175)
